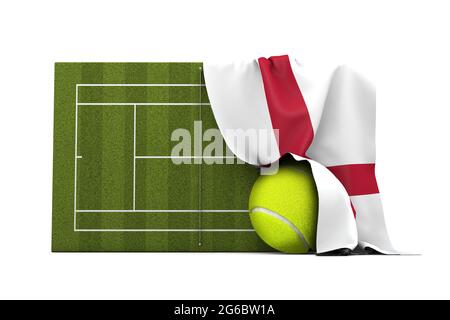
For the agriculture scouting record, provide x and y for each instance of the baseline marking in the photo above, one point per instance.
(134, 159)
(76, 160)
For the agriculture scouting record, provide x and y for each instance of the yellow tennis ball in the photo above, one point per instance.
(284, 207)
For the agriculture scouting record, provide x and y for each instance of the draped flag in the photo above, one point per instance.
(324, 116)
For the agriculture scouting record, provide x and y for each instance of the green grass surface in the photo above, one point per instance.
(125, 200)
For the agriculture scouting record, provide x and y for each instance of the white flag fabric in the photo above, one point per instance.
(324, 116)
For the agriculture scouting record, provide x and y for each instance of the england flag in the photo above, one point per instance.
(322, 115)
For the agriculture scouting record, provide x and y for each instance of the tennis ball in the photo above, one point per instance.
(284, 207)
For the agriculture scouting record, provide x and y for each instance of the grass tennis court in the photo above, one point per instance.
(115, 186)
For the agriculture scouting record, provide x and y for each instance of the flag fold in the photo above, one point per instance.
(322, 115)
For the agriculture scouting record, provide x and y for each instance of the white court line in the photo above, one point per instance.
(79, 157)
(140, 85)
(165, 230)
(164, 211)
(131, 104)
(144, 157)
(200, 227)
(134, 159)
(185, 157)
(76, 160)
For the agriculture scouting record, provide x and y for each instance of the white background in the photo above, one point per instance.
(403, 45)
